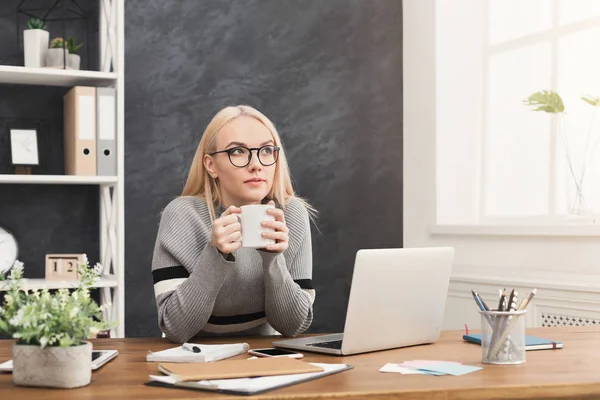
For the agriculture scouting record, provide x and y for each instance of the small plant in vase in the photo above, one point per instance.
(50, 330)
(57, 54)
(35, 23)
(35, 43)
(552, 103)
(74, 60)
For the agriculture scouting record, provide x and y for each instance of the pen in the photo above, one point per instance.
(496, 319)
(485, 306)
(191, 347)
(502, 300)
(482, 306)
(511, 298)
(527, 299)
(511, 306)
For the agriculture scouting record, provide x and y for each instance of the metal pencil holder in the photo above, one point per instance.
(503, 337)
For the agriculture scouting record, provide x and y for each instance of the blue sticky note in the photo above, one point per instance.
(451, 369)
(432, 373)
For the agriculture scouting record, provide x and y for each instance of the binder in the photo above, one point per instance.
(106, 124)
(79, 105)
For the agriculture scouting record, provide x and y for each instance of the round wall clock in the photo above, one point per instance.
(9, 249)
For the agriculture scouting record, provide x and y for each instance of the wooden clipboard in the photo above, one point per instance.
(249, 391)
(250, 368)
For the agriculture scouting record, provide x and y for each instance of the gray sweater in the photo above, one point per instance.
(199, 292)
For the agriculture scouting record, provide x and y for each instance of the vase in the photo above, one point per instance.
(73, 61)
(35, 45)
(579, 212)
(52, 366)
(55, 58)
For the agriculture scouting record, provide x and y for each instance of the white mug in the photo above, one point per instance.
(250, 219)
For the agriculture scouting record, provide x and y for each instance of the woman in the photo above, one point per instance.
(204, 282)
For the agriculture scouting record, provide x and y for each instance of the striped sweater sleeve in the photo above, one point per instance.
(188, 271)
(289, 294)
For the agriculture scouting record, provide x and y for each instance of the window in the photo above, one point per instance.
(497, 160)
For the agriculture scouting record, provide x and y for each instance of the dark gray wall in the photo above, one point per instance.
(44, 218)
(329, 75)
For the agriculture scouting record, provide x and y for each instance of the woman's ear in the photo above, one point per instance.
(209, 164)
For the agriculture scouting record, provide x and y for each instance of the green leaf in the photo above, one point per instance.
(4, 326)
(591, 100)
(35, 23)
(72, 47)
(547, 101)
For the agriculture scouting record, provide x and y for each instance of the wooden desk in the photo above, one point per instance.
(572, 372)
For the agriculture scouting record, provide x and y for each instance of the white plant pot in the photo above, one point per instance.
(73, 61)
(57, 367)
(35, 44)
(55, 58)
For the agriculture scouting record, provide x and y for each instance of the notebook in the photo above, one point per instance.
(266, 366)
(248, 386)
(531, 342)
(208, 353)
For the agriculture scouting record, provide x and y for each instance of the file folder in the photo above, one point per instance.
(79, 106)
(106, 123)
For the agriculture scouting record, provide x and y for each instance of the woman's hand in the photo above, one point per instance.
(226, 231)
(281, 230)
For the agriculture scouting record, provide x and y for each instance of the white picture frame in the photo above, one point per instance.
(24, 147)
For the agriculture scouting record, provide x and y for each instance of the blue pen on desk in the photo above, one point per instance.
(482, 306)
(191, 347)
(480, 303)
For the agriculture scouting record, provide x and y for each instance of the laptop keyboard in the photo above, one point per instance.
(334, 344)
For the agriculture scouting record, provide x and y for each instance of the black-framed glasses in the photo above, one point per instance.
(240, 156)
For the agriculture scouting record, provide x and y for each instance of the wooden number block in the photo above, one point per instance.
(63, 267)
(22, 170)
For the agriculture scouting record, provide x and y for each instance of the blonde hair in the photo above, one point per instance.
(200, 183)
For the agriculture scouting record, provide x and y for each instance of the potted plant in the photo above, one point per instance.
(35, 43)
(552, 103)
(50, 330)
(57, 53)
(73, 59)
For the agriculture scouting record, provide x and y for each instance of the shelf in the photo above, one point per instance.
(32, 284)
(58, 179)
(54, 77)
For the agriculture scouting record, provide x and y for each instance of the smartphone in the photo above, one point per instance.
(99, 358)
(273, 352)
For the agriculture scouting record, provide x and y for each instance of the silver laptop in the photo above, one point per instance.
(397, 299)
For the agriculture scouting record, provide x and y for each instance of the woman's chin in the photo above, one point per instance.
(255, 198)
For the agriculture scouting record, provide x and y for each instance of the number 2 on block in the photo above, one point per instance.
(63, 267)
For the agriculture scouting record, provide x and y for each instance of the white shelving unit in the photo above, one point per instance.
(111, 188)
(55, 77)
(107, 281)
(59, 179)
